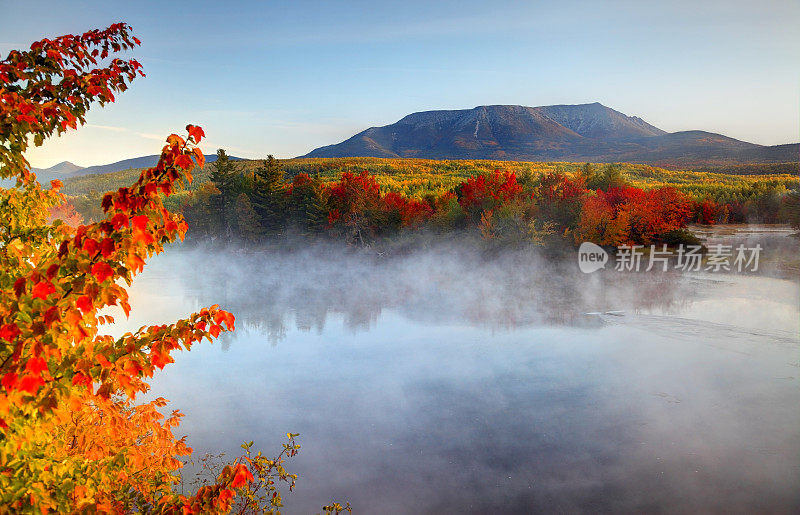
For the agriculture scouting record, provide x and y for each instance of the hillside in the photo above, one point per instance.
(420, 177)
(585, 132)
(68, 170)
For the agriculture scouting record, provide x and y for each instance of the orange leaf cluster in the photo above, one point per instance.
(71, 436)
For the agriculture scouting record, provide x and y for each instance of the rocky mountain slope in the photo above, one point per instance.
(585, 132)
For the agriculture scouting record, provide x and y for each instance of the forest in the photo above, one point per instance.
(537, 203)
(361, 199)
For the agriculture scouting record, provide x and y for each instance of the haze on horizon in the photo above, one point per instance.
(285, 78)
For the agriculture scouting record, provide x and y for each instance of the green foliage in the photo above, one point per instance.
(268, 196)
(610, 177)
(248, 224)
(515, 223)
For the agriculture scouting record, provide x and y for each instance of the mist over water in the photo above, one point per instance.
(451, 379)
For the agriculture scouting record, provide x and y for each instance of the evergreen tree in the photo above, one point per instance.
(199, 212)
(230, 183)
(316, 207)
(307, 208)
(589, 175)
(610, 177)
(247, 223)
(268, 196)
(222, 174)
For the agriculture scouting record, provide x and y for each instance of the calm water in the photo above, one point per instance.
(454, 381)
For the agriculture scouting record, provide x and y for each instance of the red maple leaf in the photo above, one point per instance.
(102, 271)
(43, 289)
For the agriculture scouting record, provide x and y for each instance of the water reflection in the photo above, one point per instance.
(453, 381)
(440, 286)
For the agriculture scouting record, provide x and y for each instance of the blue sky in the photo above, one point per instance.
(285, 77)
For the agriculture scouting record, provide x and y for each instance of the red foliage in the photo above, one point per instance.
(657, 212)
(709, 212)
(485, 192)
(647, 214)
(107, 450)
(300, 181)
(556, 186)
(355, 193)
(46, 107)
(412, 212)
(560, 198)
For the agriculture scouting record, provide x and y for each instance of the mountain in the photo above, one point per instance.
(137, 162)
(66, 169)
(584, 132)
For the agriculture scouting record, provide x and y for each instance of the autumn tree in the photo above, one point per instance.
(632, 215)
(72, 437)
(559, 200)
(601, 223)
(708, 211)
(487, 191)
(405, 212)
(354, 201)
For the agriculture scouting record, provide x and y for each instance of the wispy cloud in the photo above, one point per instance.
(158, 137)
(107, 127)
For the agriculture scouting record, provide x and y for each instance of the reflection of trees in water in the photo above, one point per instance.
(270, 292)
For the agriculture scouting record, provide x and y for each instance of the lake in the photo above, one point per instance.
(452, 379)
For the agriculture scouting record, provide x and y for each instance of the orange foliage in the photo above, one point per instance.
(71, 437)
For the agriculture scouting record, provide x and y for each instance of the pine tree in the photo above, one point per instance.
(229, 182)
(611, 178)
(307, 204)
(590, 176)
(268, 197)
(316, 209)
(247, 223)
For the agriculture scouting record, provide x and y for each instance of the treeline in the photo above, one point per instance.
(754, 198)
(591, 204)
(416, 178)
(751, 169)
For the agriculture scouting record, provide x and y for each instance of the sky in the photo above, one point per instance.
(285, 77)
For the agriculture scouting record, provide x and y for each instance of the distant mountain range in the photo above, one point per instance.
(65, 170)
(584, 132)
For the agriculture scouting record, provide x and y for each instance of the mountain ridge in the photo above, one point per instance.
(66, 170)
(64, 167)
(564, 132)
